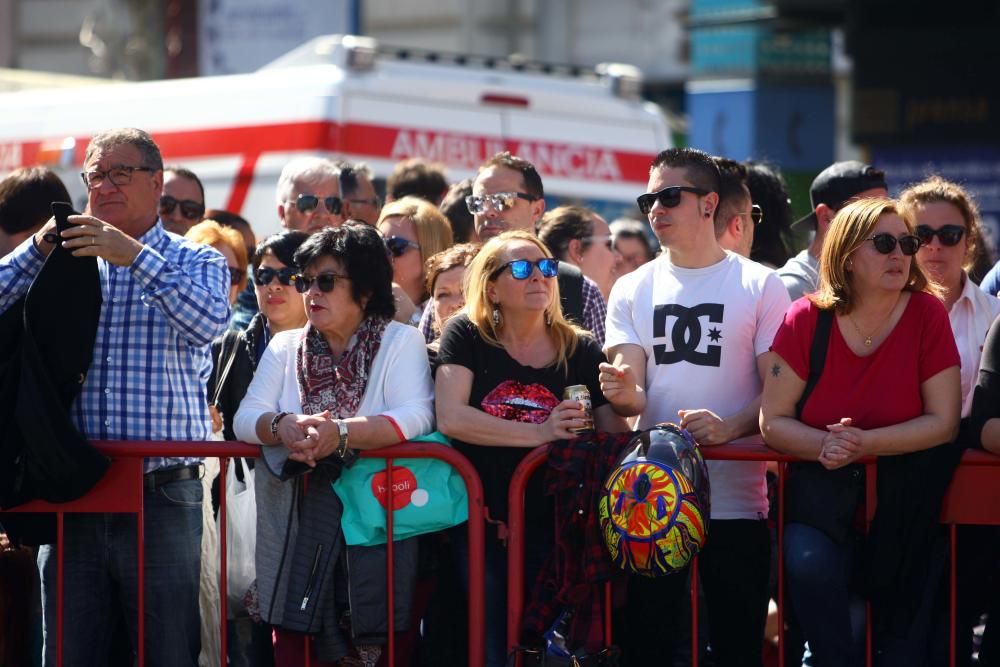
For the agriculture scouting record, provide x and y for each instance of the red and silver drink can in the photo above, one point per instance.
(579, 392)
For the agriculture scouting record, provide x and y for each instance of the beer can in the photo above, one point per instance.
(579, 392)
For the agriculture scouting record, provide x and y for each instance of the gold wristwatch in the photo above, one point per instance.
(342, 444)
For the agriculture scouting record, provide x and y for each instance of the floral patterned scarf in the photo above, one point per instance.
(325, 383)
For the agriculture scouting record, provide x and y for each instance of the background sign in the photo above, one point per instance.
(976, 169)
(239, 36)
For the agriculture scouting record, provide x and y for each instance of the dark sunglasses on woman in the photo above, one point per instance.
(309, 203)
(324, 281)
(669, 197)
(522, 269)
(190, 209)
(949, 235)
(264, 275)
(886, 243)
(398, 246)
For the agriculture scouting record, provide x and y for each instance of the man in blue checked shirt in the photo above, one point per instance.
(164, 300)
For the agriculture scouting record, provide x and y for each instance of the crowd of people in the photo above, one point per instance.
(468, 310)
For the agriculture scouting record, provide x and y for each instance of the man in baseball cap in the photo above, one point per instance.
(834, 187)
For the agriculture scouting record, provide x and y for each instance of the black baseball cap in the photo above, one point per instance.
(838, 183)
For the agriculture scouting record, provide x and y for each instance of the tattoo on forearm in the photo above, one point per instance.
(775, 370)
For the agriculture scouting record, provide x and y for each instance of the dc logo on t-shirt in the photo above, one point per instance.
(685, 336)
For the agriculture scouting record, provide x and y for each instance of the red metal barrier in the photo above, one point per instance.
(121, 489)
(972, 498)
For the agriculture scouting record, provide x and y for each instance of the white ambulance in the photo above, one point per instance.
(587, 131)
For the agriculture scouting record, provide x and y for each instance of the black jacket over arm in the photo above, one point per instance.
(46, 345)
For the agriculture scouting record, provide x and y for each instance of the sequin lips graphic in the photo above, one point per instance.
(517, 402)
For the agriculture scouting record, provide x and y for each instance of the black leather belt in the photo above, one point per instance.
(151, 481)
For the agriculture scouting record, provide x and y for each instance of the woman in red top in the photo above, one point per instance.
(890, 385)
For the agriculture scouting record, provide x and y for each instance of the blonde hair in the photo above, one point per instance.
(212, 233)
(936, 189)
(432, 228)
(850, 228)
(478, 307)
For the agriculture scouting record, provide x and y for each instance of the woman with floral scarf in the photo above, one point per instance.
(351, 379)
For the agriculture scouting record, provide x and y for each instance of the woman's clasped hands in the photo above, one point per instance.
(309, 438)
(842, 445)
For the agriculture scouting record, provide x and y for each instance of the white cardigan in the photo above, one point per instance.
(399, 386)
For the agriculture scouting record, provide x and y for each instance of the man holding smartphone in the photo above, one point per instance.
(164, 300)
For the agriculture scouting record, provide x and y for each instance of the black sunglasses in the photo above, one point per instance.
(264, 275)
(669, 197)
(398, 245)
(949, 235)
(886, 243)
(756, 214)
(324, 281)
(236, 275)
(190, 209)
(522, 269)
(307, 203)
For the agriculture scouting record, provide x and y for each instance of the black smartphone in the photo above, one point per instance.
(62, 210)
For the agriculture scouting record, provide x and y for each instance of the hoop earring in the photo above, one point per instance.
(497, 319)
(548, 318)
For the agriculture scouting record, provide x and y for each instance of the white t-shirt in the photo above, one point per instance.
(702, 331)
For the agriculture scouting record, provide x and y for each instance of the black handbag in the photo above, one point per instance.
(824, 499)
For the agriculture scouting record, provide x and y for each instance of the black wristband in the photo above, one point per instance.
(51, 238)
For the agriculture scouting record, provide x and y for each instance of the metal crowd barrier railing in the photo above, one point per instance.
(972, 498)
(121, 490)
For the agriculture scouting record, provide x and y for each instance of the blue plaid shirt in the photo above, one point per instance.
(148, 376)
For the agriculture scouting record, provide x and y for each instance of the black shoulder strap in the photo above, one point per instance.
(571, 292)
(227, 353)
(817, 356)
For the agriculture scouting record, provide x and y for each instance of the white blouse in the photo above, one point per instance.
(399, 386)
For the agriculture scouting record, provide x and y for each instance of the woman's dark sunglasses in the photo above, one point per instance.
(307, 203)
(949, 235)
(669, 197)
(398, 246)
(522, 269)
(190, 209)
(324, 281)
(886, 243)
(264, 275)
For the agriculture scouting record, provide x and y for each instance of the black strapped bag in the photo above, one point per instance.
(824, 499)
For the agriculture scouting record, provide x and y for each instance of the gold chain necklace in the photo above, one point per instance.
(868, 338)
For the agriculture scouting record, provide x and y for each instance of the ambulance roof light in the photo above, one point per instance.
(625, 81)
(352, 52)
(361, 52)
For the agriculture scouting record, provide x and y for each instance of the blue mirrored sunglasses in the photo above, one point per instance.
(522, 269)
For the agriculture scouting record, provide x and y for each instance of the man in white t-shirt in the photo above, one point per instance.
(686, 335)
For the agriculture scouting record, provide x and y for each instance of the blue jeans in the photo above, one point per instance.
(100, 580)
(818, 572)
